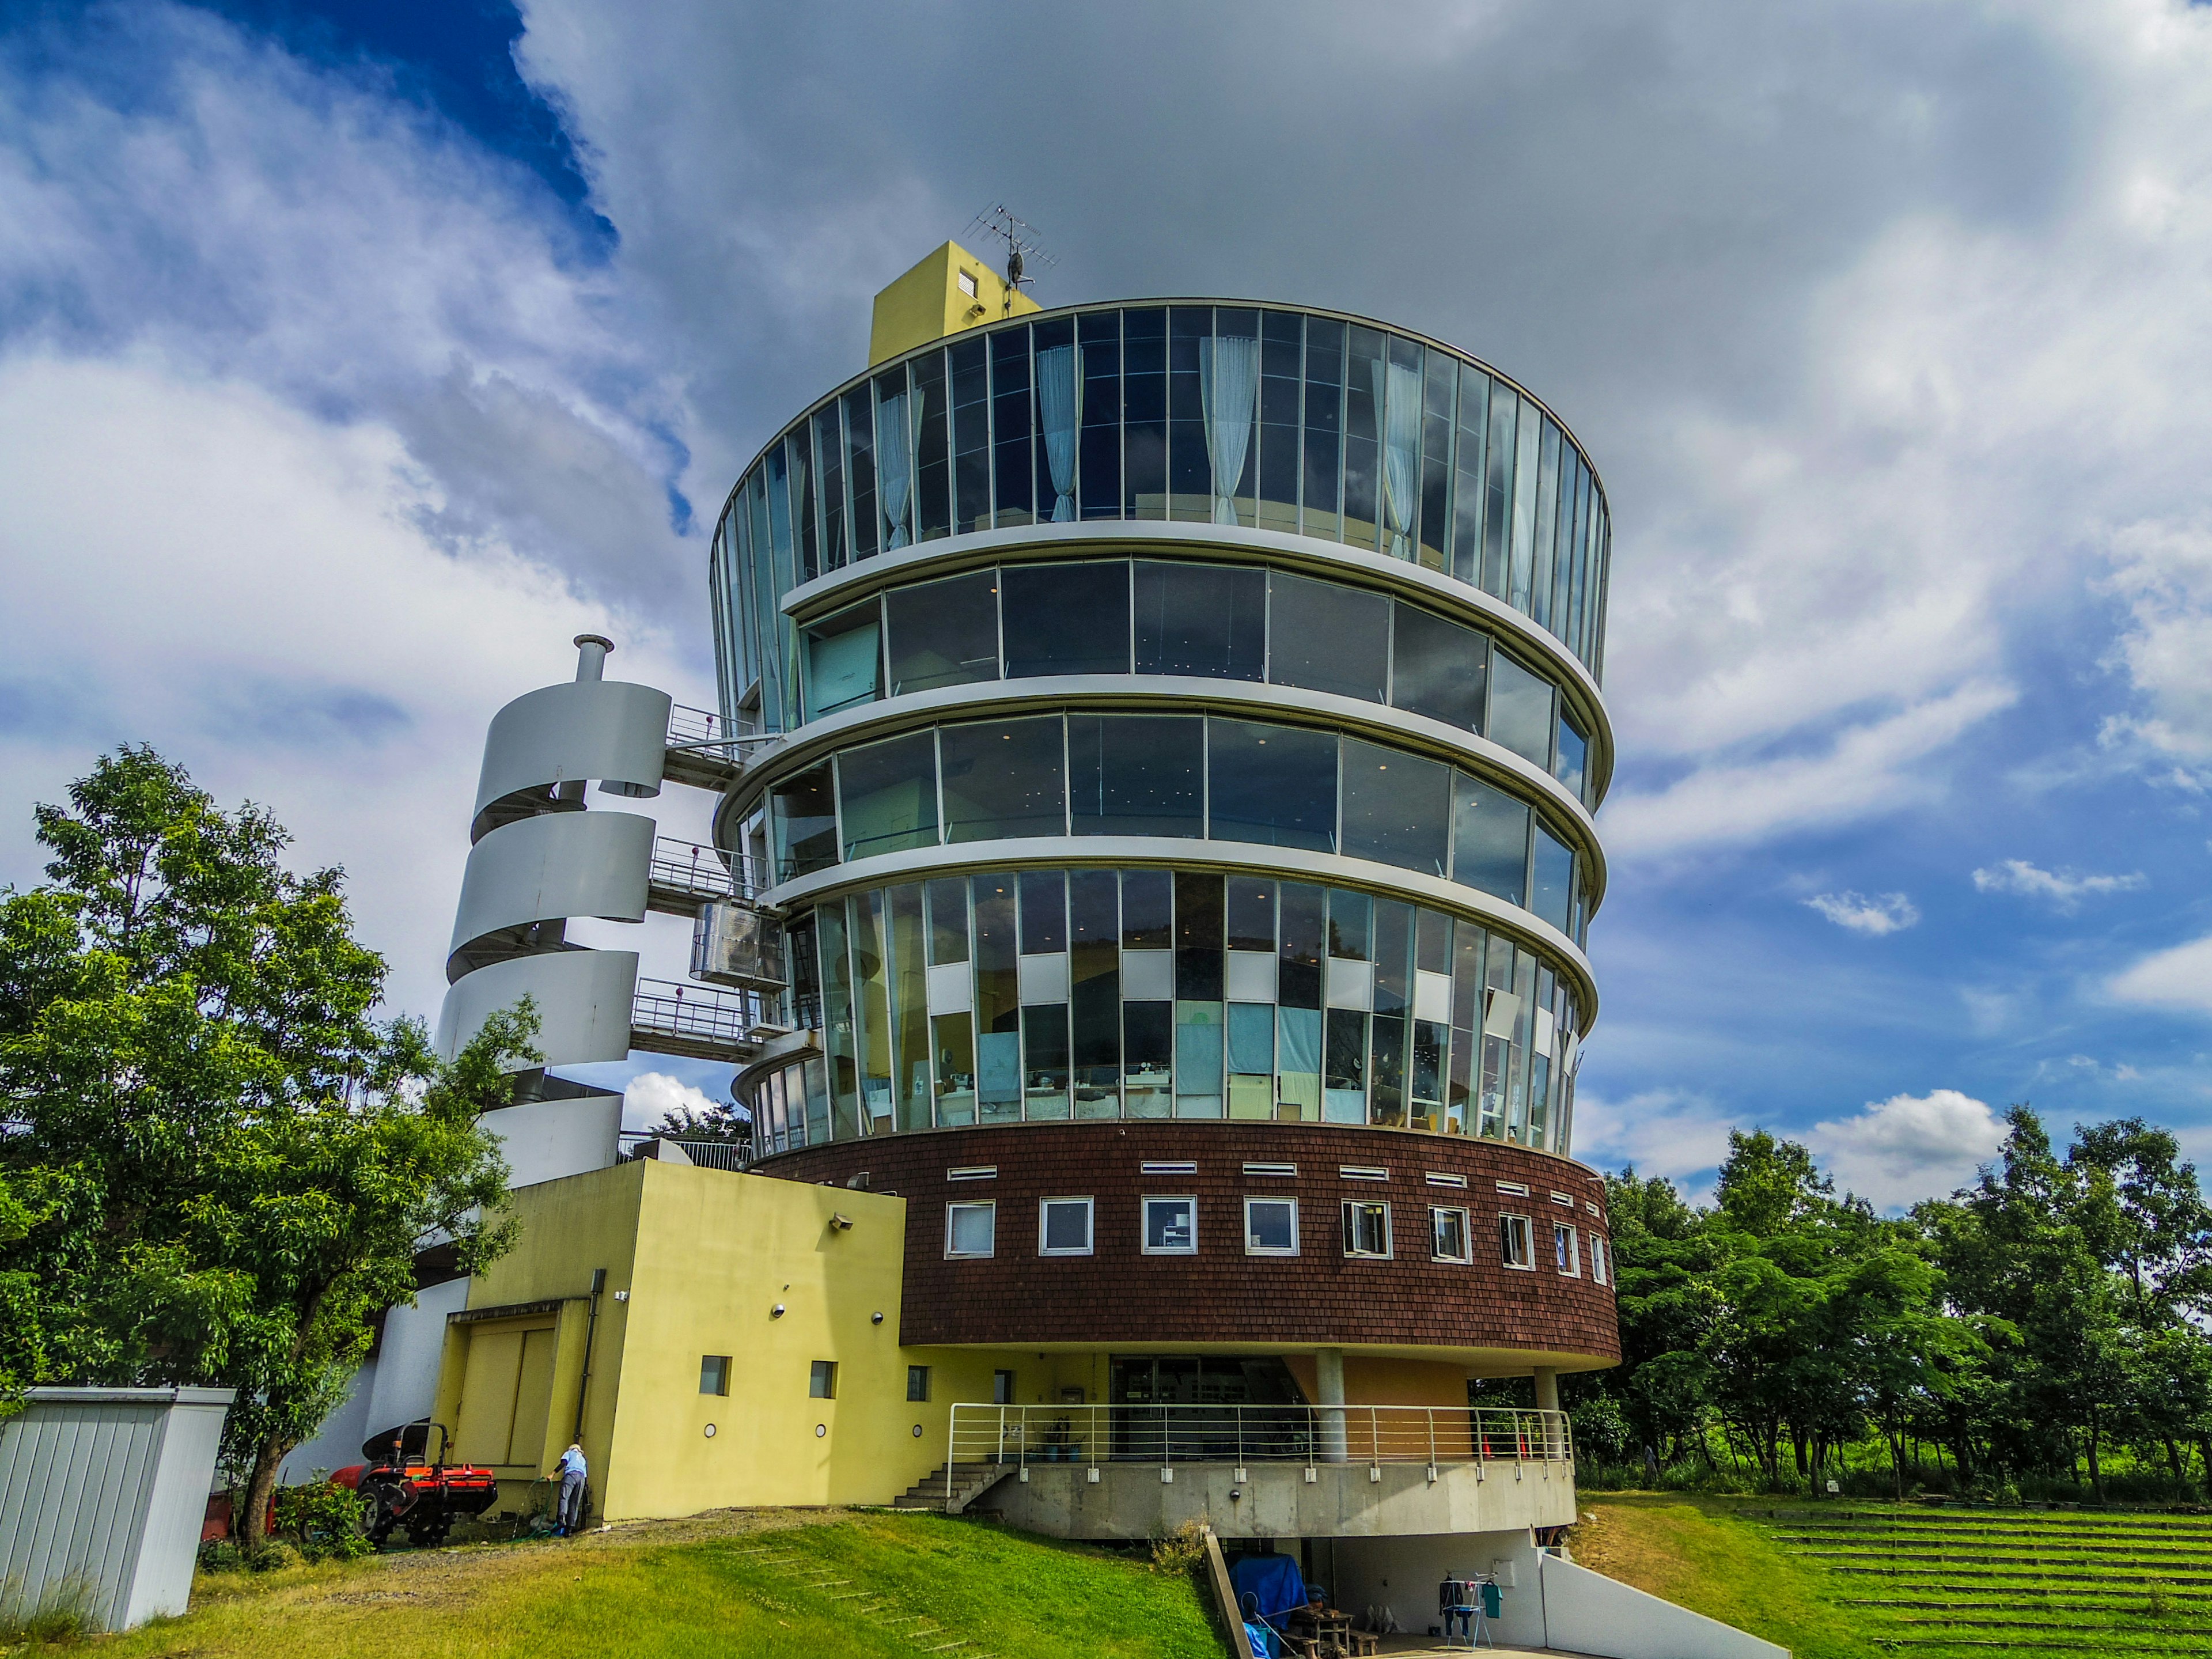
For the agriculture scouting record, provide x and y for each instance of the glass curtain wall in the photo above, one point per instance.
(1192, 776)
(1206, 621)
(1233, 416)
(1043, 995)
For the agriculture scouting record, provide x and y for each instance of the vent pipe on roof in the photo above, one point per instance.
(591, 655)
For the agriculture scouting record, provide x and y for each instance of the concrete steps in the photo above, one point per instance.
(949, 1489)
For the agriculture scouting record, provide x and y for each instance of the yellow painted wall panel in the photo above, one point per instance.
(487, 1403)
(533, 1398)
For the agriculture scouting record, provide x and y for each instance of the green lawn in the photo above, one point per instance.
(1844, 1580)
(865, 1584)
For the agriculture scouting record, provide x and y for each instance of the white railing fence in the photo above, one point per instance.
(1243, 1435)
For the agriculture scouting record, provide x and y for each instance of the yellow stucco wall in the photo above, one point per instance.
(927, 303)
(700, 1258)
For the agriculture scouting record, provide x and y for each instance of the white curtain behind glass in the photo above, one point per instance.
(1228, 390)
(896, 446)
(1057, 402)
(1398, 392)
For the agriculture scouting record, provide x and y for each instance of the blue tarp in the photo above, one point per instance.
(1275, 1585)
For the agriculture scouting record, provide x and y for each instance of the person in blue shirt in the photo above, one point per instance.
(569, 1512)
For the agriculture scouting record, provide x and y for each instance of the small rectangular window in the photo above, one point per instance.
(917, 1382)
(1366, 1229)
(822, 1381)
(1516, 1246)
(715, 1373)
(1566, 1252)
(1271, 1226)
(971, 1230)
(1448, 1233)
(1064, 1226)
(967, 284)
(1002, 1387)
(1598, 1265)
(1170, 1226)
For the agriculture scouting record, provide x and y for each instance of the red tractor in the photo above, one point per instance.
(401, 1486)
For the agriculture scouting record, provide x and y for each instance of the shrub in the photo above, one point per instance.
(222, 1555)
(323, 1521)
(274, 1557)
(1181, 1552)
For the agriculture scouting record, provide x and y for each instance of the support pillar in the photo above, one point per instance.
(1328, 1379)
(1547, 1400)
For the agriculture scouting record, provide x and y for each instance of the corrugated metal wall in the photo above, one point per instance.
(102, 1495)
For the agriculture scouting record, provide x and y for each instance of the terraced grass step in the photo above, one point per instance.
(2006, 1558)
(1955, 1575)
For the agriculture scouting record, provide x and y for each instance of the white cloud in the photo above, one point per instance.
(1664, 1132)
(1897, 1151)
(2062, 887)
(2177, 977)
(651, 1095)
(1887, 913)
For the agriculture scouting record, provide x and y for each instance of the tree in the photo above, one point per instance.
(224, 1164)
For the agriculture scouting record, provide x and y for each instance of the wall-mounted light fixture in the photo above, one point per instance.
(875, 1319)
(777, 1312)
(843, 1223)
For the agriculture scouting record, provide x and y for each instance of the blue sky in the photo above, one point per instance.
(353, 357)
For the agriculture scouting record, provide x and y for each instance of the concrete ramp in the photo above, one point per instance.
(1586, 1612)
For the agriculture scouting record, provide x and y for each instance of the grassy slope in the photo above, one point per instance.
(1695, 1552)
(710, 1587)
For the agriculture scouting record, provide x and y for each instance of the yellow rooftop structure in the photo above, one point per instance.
(950, 289)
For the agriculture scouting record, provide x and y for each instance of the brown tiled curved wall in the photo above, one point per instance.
(1118, 1295)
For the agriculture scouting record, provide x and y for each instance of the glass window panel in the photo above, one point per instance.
(1397, 808)
(1344, 1067)
(998, 1001)
(1297, 1065)
(1066, 1227)
(1439, 393)
(1145, 419)
(1252, 1038)
(1365, 373)
(1498, 490)
(1468, 488)
(844, 658)
(1571, 763)
(1394, 948)
(970, 1229)
(887, 792)
(1044, 1063)
(971, 437)
(909, 983)
(1521, 704)
(1003, 778)
(1547, 527)
(871, 1000)
(943, 633)
(1251, 914)
(803, 820)
(1279, 421)
(1323, 637)
(1351, 924)
(1199, 929)
(1137, 775)
(1095, 992)
(1171, 1226)
(1324, 419)
(1209, 620)
(1054, 416)
(1275, 785)
(1271, 1226)
(953, 1039)
(1148, 1057)
(1432, 942)
(837, 1026)
(1011, 479)
(1190, 475)
(1386, 1095)
(1099, 348)
(861, 468)
(1297, 961)
(829, 453)
(1527, 471)
(1230, 391)
(1147, 910)
(1065, 618)
(1199, 1032)
(1551, 880)
(948, 920)
(933, 454)
(1044, 911)
(1490, 839)
(798, 451)
(1437, 667)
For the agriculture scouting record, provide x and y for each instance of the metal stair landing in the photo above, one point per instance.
(950, 1488)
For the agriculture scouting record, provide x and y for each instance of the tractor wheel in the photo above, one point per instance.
(430, 1533)
(375, 1519)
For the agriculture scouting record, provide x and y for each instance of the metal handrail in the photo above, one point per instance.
(668, 1005)
(692, 867)
(1243, 1435)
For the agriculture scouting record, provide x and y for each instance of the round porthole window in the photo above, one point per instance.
(821, 1429)
(917, 1431)
(710, 1431)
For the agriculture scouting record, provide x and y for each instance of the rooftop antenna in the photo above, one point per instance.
(1022, 245)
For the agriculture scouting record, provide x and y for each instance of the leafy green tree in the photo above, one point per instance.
(224, 1163)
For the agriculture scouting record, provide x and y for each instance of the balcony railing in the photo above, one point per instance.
(702, 872)
(1245, 1435)
(700, 1021)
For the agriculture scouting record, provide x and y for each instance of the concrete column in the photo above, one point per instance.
(1329, 1381)
(1547, 1400)
(591, 655)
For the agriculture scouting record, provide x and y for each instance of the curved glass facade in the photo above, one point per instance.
(1261, 417)
(1180, 776)
(1051, 994)
(1206, 621)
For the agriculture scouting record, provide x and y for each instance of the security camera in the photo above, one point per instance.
(843, 1223)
